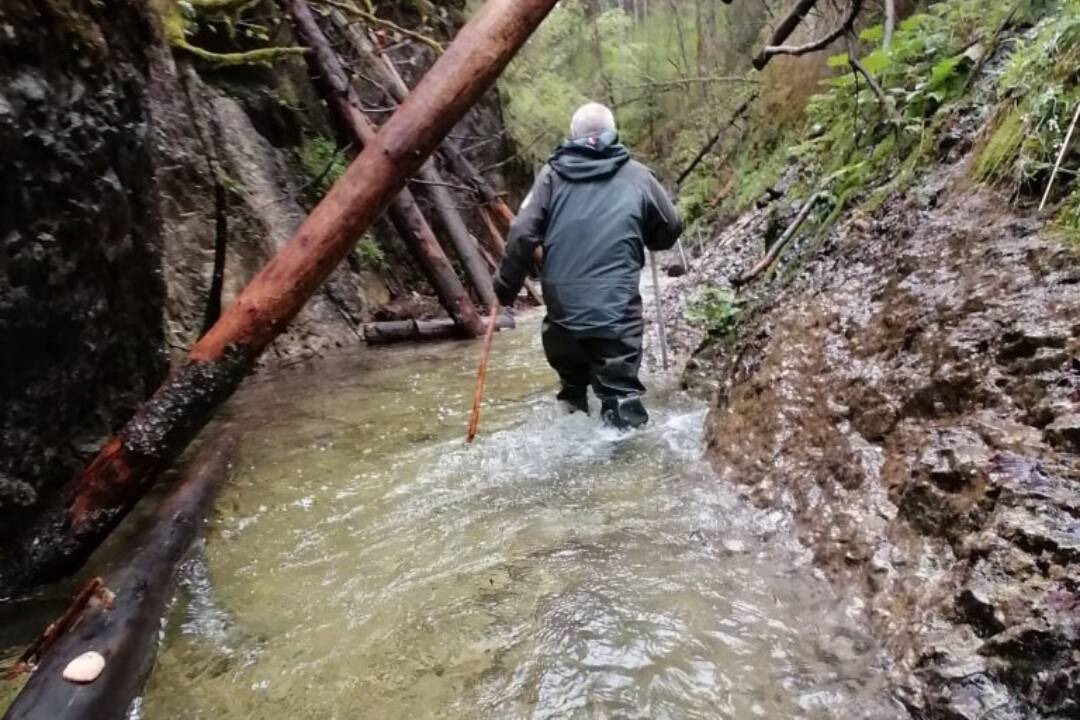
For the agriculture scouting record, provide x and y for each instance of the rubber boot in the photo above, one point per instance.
(624, 413)
(572, 401)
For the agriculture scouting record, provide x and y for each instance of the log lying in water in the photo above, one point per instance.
(125, 630)
(87, 510)
(393, 331)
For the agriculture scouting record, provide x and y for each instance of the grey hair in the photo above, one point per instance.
(591, 119)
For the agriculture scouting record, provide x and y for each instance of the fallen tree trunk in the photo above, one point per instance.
(784, 29)
(774, 252)
(498, 251)
(404, 212)
(397, 90)
(86, 511)
(431, 182)
(124, 628)
(395, 331)
(707, 148)
(445, 208)
(496, 243)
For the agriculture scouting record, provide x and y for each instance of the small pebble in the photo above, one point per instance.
(86, 668)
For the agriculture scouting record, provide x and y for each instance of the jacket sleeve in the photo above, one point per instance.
(526, 234)
(662, 224)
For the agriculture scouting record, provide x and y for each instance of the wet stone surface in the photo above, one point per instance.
(912, 397)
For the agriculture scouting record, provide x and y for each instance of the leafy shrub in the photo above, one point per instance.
(323, 162)
(1039, 93)
(714, 309)
(370, 255)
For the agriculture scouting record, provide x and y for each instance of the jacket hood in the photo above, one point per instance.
(593, 157)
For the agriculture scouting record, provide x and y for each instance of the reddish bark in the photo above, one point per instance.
(474, 416)
(404, 212)
(62, 539)
(396, 89)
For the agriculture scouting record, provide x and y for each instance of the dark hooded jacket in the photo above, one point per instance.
(593, 210)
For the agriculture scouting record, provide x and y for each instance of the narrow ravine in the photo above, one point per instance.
(365, 563)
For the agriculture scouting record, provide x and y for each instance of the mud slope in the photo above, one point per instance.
(913, 399)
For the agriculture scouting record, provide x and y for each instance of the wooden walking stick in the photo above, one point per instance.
(1060, 157)
(474, 417)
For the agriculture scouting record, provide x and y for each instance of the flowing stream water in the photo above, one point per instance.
(363, 562)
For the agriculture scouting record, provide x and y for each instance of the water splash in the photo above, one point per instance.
(365, 562)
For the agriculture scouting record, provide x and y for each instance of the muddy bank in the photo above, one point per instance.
(910, 391)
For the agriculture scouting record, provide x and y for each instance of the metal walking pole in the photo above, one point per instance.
(660, 329)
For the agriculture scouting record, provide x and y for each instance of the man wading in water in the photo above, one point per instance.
(593, 211)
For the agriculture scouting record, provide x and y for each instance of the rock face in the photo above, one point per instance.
(81, 292)
(130, 174)
(912, 397)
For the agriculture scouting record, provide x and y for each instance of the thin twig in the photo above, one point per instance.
(713, 140)
(820, 43)
(91, 589)
(770, 257)
(690, 81)
(894, 117)
(890, 23)
(515, 156)
(373, 18)
(1060, 157)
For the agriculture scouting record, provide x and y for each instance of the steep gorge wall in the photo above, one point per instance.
(128, 167)
(81, 291)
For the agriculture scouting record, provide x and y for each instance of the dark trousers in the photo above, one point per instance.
(610, 365)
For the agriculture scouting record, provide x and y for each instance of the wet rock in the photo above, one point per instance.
(976, 606)
(1026, 340)
(16, 496)
(911, 401)
(1064, 433)
(86, 668)
(80, 286)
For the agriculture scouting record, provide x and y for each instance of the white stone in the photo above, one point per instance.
(85, 668)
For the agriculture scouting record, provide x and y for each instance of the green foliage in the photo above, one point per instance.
(184, 18)
(1002, 146)
(1067, 221)
(1039, 94)
(371, 255)
(714, 309)
(323, 162)
(645, 67)
(694, 197)
(865, 143)
(849, 141)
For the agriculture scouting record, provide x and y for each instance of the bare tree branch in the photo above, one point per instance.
(689, 81)
(707, 148)
(372, 18)
(890, 23)
(774, 48)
